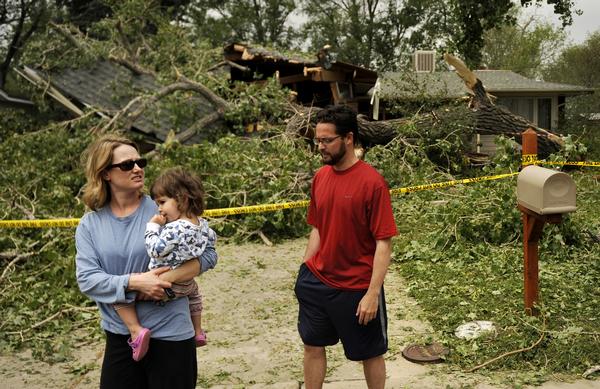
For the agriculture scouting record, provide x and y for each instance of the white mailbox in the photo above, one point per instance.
(545, 191)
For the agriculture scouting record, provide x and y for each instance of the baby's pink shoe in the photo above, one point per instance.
(200, 339)
(139, 346)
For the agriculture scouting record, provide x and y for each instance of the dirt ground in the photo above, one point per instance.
(250, 318)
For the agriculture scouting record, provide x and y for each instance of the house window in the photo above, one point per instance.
(545, 113)
(522, 106)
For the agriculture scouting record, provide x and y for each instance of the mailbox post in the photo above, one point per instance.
(543, 196)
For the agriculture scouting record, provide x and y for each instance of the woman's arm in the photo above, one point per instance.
(187, 271)
(107, 288)
(207, 260)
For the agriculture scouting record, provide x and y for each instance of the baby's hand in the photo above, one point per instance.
(158, 219)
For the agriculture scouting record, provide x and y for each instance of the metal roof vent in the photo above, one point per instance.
(424, 61)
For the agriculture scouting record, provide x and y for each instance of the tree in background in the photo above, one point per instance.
(83, 13)
(580, 65)
(18, 21)
(380, 33)
(539, 43)
(469, 20)
(262, 22)
(372, 33)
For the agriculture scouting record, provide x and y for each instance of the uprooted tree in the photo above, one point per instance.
(486, 118)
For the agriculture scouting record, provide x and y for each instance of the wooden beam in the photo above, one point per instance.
(31, 76)
(328, 76)
(335, 92)
(293, 78)
(246, 55)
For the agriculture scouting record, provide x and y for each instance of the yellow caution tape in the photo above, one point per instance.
(446, 184)
(531, 159)
(253, 208)
(528, 159)
(577, 163)
(40, 223)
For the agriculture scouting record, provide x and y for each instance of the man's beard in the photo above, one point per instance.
(332, 159)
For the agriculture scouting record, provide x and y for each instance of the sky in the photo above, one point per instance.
(582, 26)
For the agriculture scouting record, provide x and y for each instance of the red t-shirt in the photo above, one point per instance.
(351, 209)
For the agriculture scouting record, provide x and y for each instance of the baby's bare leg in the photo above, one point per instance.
(197, 321)
(128, 314)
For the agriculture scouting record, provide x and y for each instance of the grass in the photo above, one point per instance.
(463, 261)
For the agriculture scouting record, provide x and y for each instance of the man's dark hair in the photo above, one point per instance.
(343, 117)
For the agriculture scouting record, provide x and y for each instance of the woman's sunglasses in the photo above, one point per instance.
(128, 165)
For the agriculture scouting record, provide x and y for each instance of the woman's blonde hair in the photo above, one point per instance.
(96, 158)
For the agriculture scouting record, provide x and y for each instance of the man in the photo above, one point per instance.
(340, 285)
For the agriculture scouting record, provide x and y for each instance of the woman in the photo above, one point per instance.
(111, 265)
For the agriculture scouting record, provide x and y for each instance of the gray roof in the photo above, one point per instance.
(108, 86)
(445, 84)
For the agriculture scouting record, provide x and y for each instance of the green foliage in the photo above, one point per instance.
(371, 34)
(41, 178)
(539, 44)
(473, 18)
(461, 254)
(261, 22)
(439, 131)
(248, 171)
(264, 103)
(578, 65)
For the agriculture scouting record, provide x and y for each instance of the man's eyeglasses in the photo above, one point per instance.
(325, 141)
(128, 165)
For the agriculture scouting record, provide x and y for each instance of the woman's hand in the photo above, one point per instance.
(148, 284)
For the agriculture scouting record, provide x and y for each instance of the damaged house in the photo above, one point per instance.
(539, 103)
(317, 81)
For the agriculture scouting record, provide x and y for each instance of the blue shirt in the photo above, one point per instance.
(109, 249)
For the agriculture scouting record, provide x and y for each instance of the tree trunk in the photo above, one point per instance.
(487, 118)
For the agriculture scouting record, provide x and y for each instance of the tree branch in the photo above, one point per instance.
(12, 263)
(131, 65)
(510, 352)
(67, 33)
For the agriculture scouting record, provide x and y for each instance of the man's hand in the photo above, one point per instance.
(158, 219)
(148, 285)
(367, 308)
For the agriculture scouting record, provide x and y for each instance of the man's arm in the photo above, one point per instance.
(367, 307)
(314, 242)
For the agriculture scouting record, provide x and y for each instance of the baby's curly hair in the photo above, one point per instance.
(183, 186)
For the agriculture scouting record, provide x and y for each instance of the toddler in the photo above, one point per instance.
(176, 235)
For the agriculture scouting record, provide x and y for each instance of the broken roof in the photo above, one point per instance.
(244, 53)
(109, 87)
(411, 86)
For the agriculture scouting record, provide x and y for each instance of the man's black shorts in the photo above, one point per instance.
(327, 315)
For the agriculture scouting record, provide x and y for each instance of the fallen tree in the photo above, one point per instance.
(485, 118)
